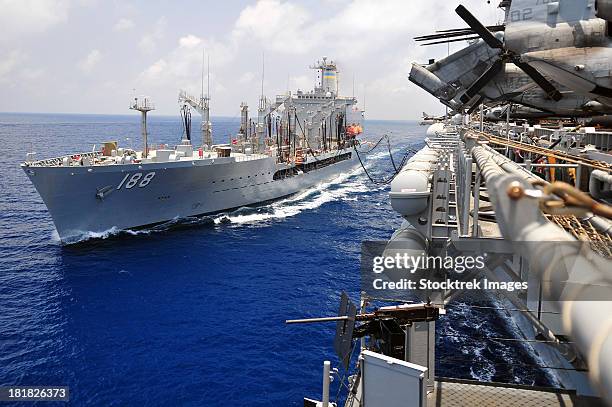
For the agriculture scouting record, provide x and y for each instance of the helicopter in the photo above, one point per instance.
(551, 58)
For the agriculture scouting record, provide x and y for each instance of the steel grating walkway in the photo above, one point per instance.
(462, 393)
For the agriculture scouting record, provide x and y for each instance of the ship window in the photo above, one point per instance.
(609, 28)
(214, 182)
(231, 179)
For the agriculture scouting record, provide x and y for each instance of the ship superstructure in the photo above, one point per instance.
(298, 141)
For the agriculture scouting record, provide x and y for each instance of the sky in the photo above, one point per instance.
(94, 56)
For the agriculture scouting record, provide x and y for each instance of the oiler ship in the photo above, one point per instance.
(297, 141)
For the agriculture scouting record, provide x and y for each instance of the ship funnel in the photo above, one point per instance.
(327, 73)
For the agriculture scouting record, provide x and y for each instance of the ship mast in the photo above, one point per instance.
(143, 105)
(205, 106)
(261, 111)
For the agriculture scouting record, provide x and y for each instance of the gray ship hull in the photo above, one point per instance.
(99, 198)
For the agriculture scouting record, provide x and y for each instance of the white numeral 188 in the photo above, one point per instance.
(133, 180)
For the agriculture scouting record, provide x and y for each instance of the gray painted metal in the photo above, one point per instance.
(568, 41)
(177, 190)
(572, 275)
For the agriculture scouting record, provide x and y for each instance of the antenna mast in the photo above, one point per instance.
(205, 105)
(263, 71)
(143, 105)
(261, 111)
(202, 90)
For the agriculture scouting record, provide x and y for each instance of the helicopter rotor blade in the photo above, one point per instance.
(482, 81)
(538, 78)
(479, 28)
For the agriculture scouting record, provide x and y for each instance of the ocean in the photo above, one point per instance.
(192, 313)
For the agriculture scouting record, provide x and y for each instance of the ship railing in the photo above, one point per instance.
(241, 158)
(575, 277)
(58, 161)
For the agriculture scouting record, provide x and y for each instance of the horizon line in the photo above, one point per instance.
(165, 115)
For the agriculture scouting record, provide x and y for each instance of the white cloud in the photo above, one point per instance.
(9, 63)
(371, 40)
(356, 27)
(25, 17)
(15, 72)
(90, 61)
(374, 39)
(383, 16)
(246, 77)
(124, 24)
(154, 71)
(278, 25)
(148, 42)
(189, 41)
(184, 63)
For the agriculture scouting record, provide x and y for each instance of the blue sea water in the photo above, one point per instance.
(193, 314)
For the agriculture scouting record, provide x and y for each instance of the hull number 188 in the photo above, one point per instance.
(137, 178)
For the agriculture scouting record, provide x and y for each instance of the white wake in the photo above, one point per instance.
(309, 199)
